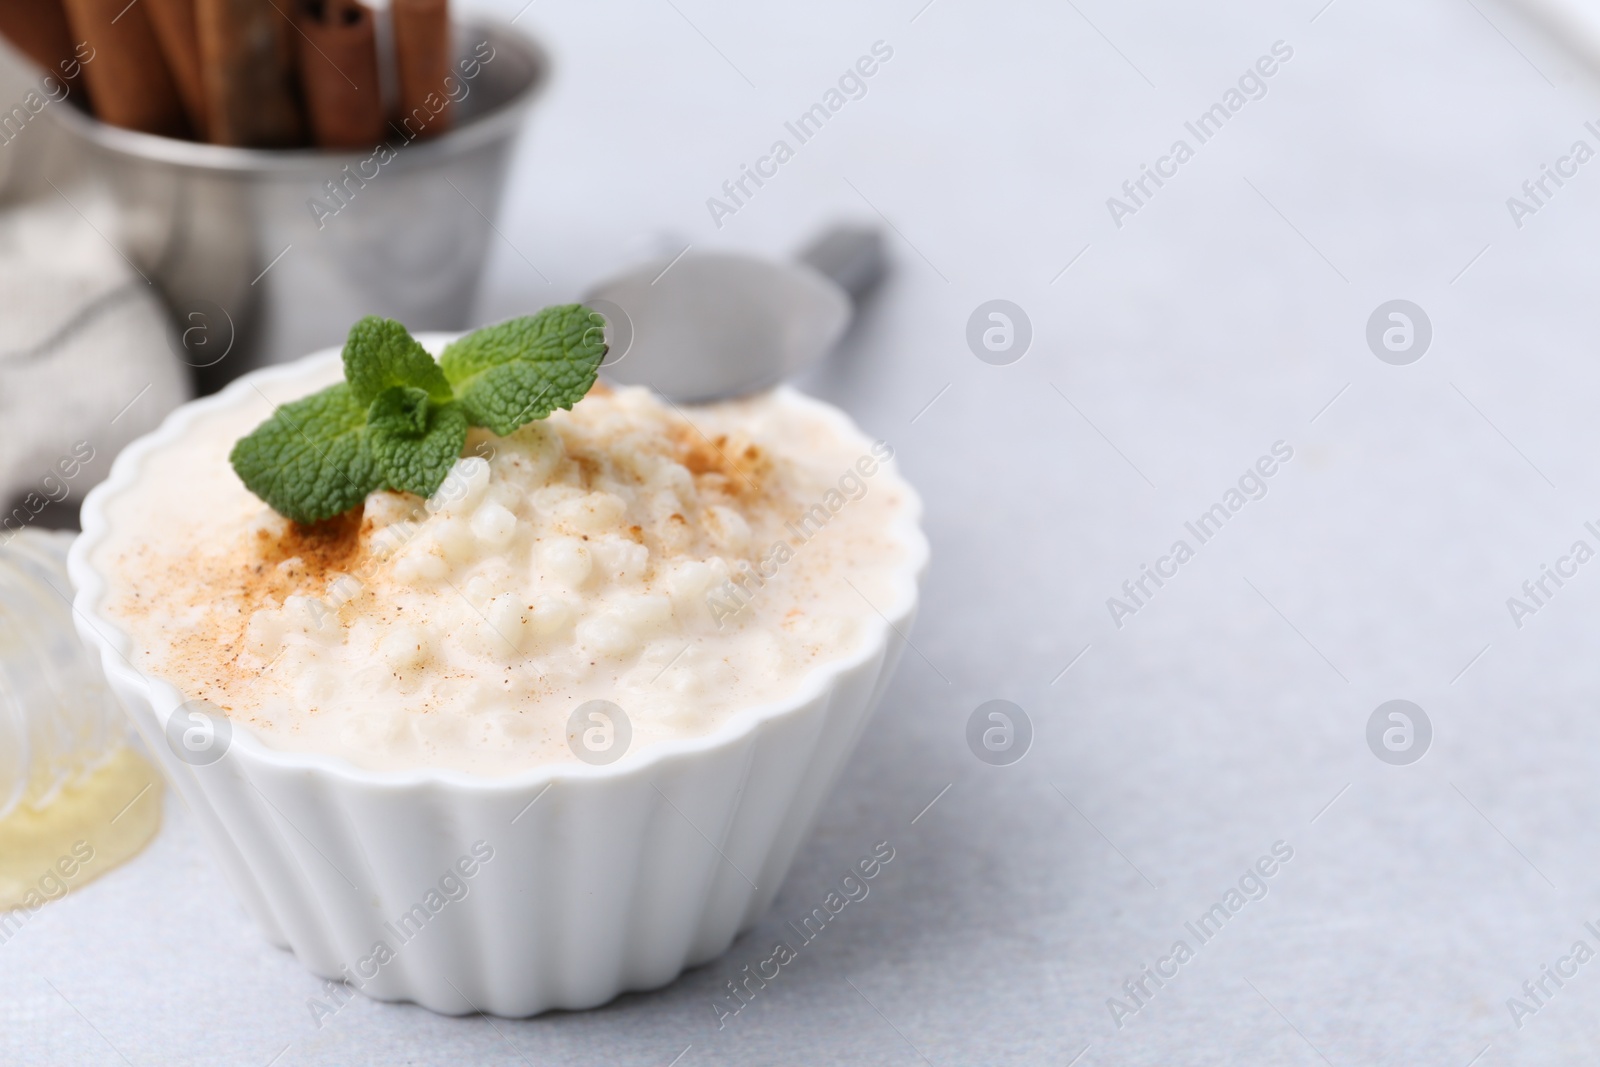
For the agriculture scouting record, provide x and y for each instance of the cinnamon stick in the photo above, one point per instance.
(247, 66)
(129, 84)
(339, 73)
(38, 29)
(423, 56)
(173, 22)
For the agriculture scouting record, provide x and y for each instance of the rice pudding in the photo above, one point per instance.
(683, 564)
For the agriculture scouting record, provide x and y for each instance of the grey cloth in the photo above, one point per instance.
(87, 357)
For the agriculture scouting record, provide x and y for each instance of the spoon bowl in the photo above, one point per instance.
(707, 326)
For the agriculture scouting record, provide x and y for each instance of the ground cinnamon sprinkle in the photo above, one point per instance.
(326, 547)
(734, 464)
(313, 554)
(253, 574)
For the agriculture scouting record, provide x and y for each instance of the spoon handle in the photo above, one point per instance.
(851, 257)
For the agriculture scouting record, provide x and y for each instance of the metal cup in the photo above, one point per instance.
(265, 255)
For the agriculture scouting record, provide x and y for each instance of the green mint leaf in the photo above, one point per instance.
(400, 411)
(415, 442)
(400, 420)
(381, 353)
(310, 460)
(521, 370)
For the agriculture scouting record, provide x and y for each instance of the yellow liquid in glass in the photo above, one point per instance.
(90, 827)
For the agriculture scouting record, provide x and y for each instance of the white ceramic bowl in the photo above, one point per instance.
(603, 879)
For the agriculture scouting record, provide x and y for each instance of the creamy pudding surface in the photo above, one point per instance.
(681, 563)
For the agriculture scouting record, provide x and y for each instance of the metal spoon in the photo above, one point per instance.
(712, 325)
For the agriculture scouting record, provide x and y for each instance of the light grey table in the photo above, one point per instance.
(1226, 313)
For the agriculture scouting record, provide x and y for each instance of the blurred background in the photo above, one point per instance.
(1358, 270)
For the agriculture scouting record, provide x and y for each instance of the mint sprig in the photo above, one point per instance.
(381, 353)
(521, 370)
(414, 441)
(310, 460)
(399, 420)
